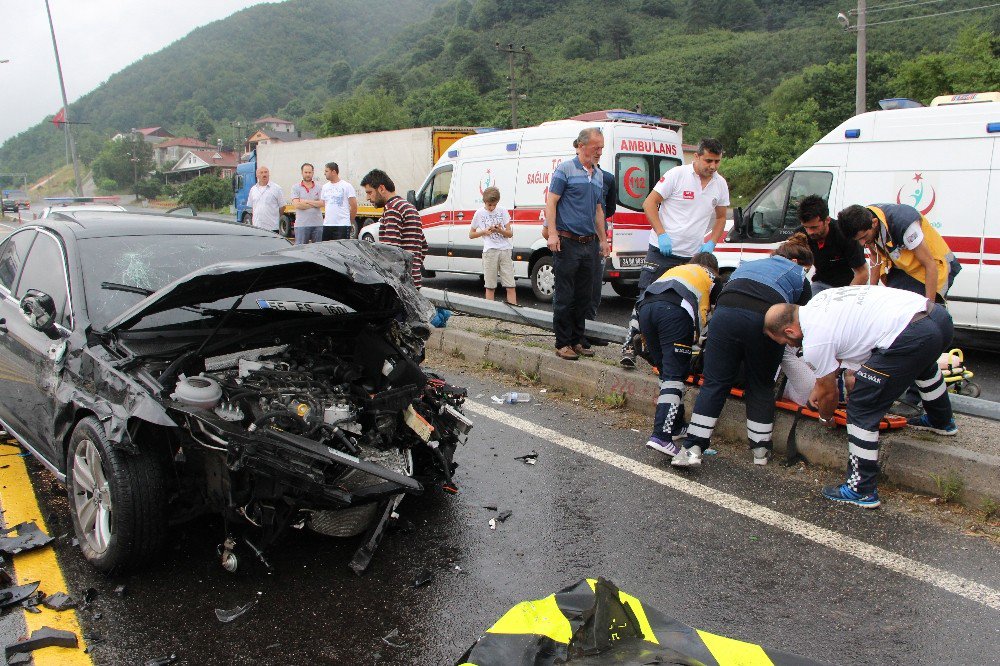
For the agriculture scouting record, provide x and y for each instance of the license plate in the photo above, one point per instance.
(632, 262)
(299, 306)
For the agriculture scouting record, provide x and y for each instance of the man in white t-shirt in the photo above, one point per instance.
(266, 201)
(689, 202)
(889, 338)
(341, 204)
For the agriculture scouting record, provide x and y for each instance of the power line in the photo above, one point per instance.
(954, 11)
(901, 5)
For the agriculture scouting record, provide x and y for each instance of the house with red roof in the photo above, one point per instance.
(201, 161)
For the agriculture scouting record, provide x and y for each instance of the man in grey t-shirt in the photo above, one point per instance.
(307, 201)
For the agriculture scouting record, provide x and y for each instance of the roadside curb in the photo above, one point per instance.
(912, 460)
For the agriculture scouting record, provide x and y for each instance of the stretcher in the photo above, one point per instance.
(956, 375)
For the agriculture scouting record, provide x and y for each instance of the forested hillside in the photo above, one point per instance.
(765, 76)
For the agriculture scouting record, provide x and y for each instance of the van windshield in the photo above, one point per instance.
(636, 173)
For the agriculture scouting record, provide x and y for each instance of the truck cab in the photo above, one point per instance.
(244, 178)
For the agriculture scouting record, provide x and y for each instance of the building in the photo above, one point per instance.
(154, 135)
(275, 124)
(199, 162)
(273, 136)
(170, 151)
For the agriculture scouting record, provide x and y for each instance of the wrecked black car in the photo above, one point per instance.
(165, 368)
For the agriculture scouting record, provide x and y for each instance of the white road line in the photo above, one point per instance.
(866, 552)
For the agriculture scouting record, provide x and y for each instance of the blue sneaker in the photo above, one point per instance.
(842, 493)
(667, 446)
(923, 423)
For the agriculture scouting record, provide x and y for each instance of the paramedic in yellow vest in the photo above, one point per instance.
(906, 251)
(672, 313)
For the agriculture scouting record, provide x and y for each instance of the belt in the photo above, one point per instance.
(578, 239)
(928, 308)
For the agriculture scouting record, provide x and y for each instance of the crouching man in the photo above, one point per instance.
(891, 338)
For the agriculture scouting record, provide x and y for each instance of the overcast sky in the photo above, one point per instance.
(96, 39)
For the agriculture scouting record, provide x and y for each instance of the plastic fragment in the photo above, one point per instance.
(161, 661)
(528, 458)
(120, 591)
(59, 601)
(387, 639)
(493, 523)
(28, 537)
(710, 452)
(423, 578)
(41, 638)
(227, 616)
(19, 658)
(504, 515)
(16, 594)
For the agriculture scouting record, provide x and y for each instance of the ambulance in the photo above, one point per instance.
(638, 149)
(943, 159)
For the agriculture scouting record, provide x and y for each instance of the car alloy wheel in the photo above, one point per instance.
(92, 496)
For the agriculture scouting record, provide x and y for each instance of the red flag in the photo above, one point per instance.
(60, 118)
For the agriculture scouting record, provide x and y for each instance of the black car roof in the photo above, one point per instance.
(103, 224)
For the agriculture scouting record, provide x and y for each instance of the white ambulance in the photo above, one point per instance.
(943, 160)
(520, 162)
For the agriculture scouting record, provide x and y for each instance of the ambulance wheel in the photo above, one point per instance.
(285, 226)
(970, 389)
(543, 279)
(625, 289)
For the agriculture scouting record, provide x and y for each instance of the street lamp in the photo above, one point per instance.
(71, 147)
(860, 87)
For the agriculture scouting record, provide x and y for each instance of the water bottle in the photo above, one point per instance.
(515, 397)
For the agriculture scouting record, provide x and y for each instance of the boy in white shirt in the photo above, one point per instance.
(492, 224)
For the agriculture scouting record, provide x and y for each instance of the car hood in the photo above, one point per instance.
(363, 275)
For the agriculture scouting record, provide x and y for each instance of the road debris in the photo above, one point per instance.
(227, 616)
(161, 661)
(42, 638)
(29, 537)
(120, 591)
(493, 523)
(504, 515)
(59, 601)
(423, 578)
(12, 596)
(528, 458)
(387, 639)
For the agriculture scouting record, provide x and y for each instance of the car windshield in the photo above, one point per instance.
(149, 263)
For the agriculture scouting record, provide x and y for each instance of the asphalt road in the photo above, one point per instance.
(573, 516)
(982, 352)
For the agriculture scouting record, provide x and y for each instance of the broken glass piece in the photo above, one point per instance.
(227, 616)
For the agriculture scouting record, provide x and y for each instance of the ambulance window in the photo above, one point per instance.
(632, 175)
(805, 183)
(768, 210)
(436, 190)
(664, 165)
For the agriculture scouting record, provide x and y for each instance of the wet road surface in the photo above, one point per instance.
(573, 516)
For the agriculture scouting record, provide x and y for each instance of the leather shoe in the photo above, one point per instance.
(583, 351)
(567, 353)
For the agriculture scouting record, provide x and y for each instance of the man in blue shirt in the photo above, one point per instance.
(575, 219)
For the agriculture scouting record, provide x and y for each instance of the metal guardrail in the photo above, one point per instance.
(611, 333)
(597, 330)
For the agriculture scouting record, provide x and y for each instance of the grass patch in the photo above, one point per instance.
(949, 486)
(530, 376)
(457, 353)
(614, 400)
(489, 365)
(990, 510)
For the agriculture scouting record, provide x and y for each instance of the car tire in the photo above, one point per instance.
(125, 525)
(368, 237)
(543, 279)
(247, 219)
(285, 226)
(625, 289)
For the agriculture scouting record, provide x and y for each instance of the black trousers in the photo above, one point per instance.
(669, 332)
(912, 357)
(573, 265)
(736, 337)
(336, 233)
(656, 265)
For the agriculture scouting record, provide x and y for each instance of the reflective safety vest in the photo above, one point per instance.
(894, 220)
(693, 283)
(593, 617)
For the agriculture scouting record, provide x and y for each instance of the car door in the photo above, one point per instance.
(13, 373)
(437, 216)
(33, 354)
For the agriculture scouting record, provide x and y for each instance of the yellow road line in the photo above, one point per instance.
(17, 498)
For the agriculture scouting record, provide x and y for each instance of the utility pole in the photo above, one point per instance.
(66, 123)
(511, 52)
(861, 85)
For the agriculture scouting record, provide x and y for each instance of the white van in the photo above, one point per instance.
(943, 159)
(520, 163)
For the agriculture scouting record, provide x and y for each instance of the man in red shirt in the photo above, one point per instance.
(400, 221)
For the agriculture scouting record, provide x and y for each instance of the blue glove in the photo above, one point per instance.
(440, 318)
(708, 246)
(665, 244)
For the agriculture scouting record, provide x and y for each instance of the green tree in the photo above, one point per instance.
(733, 15)
(426, 49)
(658, 8)
(123, 161)
(457, 43)
(620, 35)
(479, 70)
(202, 123)
(206, 192)
(150, 187)
(339, 76)
(389, 82)
(768, 149)
(374, 111)
(578, 46)
(454, 102)
(971, 66)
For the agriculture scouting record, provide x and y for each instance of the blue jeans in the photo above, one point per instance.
(669, 333)
(573, 265)
(305, 235)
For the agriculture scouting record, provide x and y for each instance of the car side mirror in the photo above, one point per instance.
(39, 310)
(411, 196)
(737, 233)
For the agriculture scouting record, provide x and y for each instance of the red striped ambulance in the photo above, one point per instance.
(943, 160)
(638, 149)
